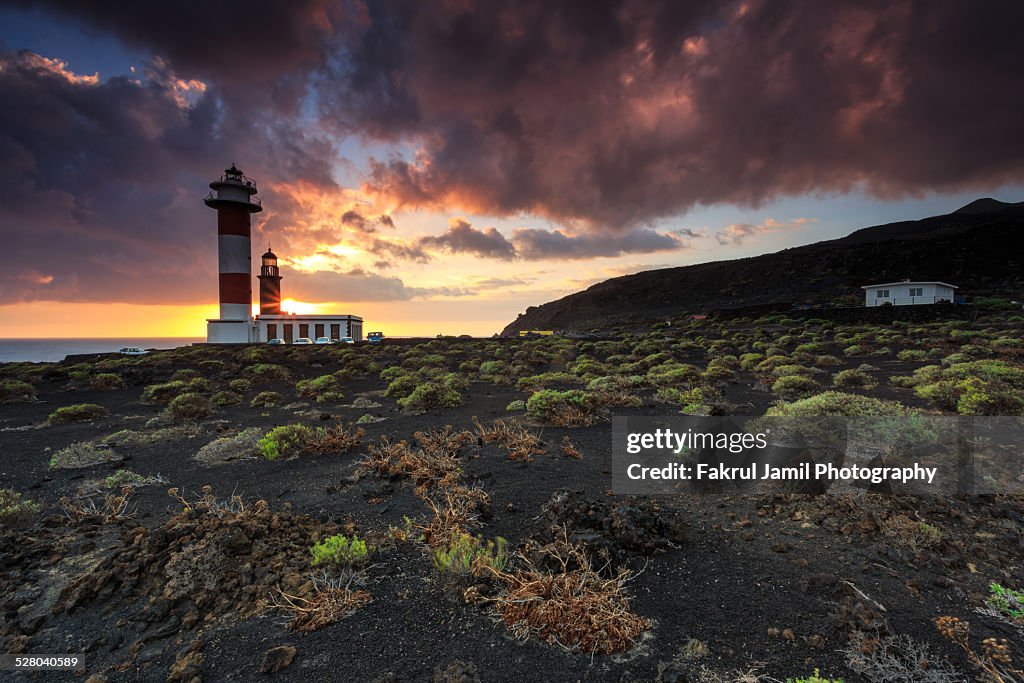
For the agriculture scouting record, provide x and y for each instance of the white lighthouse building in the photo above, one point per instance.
(233, 196)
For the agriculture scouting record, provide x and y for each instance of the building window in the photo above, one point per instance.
(319, 329)
(881, 293)
(304, 330)
(917, 291)
(335, 331)
(271, 332)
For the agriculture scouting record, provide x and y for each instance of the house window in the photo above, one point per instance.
(917, 291)
(271, 332)
(303, 330)
(319, 330)
(881, 293)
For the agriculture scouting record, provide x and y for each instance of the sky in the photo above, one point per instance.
(438, 167)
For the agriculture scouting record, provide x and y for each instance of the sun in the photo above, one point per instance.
(298, 307)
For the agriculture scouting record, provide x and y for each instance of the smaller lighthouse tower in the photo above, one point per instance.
(232, 197)
(270, 285)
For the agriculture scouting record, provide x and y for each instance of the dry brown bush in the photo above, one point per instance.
(327, 606)
(521, 443)
(336, 439)
(574, 607)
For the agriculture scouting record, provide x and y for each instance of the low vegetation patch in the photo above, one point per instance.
(244, 444)
(1006, 601)
(107, 381)
(266, 399)
(83, 454)
(323, 389)
(469, 555)
(339, 551)
(77, 413)
(189, 406)
(15, 509)
(16, 390)
(287, 441)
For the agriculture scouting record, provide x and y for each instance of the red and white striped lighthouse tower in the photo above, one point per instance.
(232, 197)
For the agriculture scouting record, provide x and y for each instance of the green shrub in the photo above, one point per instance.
(15, 509)
(912, 355)
(107, 381)
(1008, 602)
(189, 406)
(692, 401)
(673, 374)
(240, 385)
(978, 397)
(816, 678)
(185, 375)
(854, 378)
(550, 404)
(792, 370)
(12, 390)
(267, 372)
(77, 413)
(468, 555)
(545, 379)
(402, 386)
(835, 403)
(324, 389)
(338, 550)
(225, 398)
(855, 350)
(165, 392)
(266, 399)
(287, 441)
(794, 386)
(516, 405)
(749, 361)
(430, 395)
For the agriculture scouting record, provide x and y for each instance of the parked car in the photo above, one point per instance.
(303, 340)
(346, 340)
(322, 340)
(277, 341)
(375, 338)
(133, 351)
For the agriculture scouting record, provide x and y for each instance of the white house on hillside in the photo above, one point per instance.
(908, 293)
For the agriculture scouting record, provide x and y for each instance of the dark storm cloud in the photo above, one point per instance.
(532, 244)
(463, 238)
(604, 116)
(622, 112)
(101, 181)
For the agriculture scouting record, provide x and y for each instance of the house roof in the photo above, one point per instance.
(908, 282)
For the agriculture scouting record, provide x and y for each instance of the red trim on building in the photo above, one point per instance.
(233, 220)
(236, 288)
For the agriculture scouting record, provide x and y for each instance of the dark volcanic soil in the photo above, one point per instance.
(779, 582)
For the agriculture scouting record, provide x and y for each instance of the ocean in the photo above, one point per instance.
(37, 350)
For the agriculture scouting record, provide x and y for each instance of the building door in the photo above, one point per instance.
(304, 330)
(319, 327)
(335, 331)
(271, 332)
(288, 334)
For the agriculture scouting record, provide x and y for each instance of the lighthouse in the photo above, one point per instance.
(270, 285)
(233, 198)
